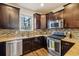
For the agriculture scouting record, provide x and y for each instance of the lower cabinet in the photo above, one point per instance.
(44, 42)
(2, 49)
(65, 46)
(36, 43)
(32, 44)
(27, 45)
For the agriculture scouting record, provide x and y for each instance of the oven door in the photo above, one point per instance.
(54, 46)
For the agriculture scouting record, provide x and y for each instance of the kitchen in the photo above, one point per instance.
(39, 29)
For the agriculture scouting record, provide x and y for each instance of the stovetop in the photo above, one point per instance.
(56, 37)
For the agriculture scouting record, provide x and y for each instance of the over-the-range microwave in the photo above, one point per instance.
(55, 24)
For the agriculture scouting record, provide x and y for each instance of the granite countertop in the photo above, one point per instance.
(6, 38)
(74, 50)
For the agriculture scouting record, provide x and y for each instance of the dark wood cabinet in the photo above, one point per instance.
(59, 15)
(43, 41)
(4, 16)
(71, 15)
(2, 49)
(27, 46)
(49, 16)
(45, 18)
(65, 46)
(37, 17)
(32, 44)
(36, 43)
(43, 21)
(14, 18)
(9, 17)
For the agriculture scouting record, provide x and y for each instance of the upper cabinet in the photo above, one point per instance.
(14, 18)
(43, 21)
(59, 15)
(71, 15)
(37, 17)
(50, 16)
(9, 17)
(40, 21)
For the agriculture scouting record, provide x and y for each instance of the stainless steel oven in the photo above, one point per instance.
(54, 43)
(54, 46)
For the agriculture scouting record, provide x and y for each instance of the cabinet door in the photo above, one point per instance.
(4, 16)
(36, 43)
(38, 22)
(71, 16)
(59, 15)
(14, 18)
(65, 46)
(43, 41)
(9, 17)
(27, 46)
(37, 17)
(43, 21)
(68, 16)
(2, 49)
(49, 16)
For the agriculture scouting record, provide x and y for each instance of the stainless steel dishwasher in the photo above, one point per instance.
(14, 48)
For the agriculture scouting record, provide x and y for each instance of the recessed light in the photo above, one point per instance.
(42, 4)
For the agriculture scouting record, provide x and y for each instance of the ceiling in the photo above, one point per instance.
(37, 6)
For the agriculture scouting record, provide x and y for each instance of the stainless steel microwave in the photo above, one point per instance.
(55, 24)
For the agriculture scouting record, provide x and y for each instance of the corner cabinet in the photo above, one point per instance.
(50, 16)
(9, 17)
(32, 44)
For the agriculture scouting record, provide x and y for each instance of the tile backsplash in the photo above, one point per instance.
(75, 32)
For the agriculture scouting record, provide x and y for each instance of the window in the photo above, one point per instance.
(26, 23)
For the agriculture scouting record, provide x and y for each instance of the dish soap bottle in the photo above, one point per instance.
(70, 35)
